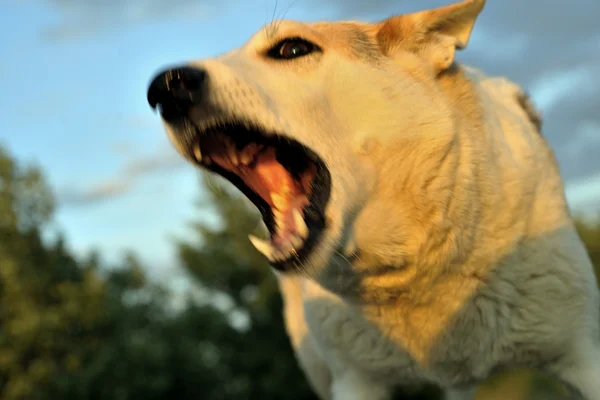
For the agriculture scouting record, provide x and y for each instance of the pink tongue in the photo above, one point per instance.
(269, 176)
(271, 181)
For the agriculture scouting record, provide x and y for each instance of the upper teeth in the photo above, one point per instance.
(262, 246)
(279, 219)
(290, 240)
(246, 157)
(197, 153)
(233, 155)
(247, 154)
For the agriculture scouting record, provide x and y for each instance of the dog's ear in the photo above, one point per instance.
(434, 35)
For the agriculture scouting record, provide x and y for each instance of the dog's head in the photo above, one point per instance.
(308, 119)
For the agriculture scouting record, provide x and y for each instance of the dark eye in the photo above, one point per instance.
(291, 48)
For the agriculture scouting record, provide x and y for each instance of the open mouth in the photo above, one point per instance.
(285, 180)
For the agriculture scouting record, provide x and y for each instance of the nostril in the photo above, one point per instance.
(174, 86)
(190, 79)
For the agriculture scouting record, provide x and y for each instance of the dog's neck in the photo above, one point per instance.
(427, 226)
(433, 210)
(443, 209)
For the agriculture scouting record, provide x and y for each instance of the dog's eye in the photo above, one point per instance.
(291, 48)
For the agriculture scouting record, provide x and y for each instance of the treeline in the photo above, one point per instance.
(76, 328)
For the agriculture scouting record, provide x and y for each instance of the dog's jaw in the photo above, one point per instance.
(293, 204)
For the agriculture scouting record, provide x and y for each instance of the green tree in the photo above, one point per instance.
(47, 304)
(255, 359)
(589, 230)
(76, 329)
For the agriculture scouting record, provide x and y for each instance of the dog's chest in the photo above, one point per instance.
(347, 340)
(389, 353)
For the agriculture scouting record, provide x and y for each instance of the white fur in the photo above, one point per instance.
(449, 250)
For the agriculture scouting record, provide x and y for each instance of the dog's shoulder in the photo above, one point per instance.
(505, 92)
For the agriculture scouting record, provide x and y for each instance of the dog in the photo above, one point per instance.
(416, 216)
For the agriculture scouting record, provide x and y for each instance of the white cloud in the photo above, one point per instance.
(551, 88)
(130, 174)
(584, 194)
(83, 17)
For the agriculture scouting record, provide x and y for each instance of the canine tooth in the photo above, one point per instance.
(197, 153)
(279, 220)
(301, 226)
(263, 247)
(246, 156)
(233, 157)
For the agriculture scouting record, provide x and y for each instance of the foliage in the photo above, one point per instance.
(589, 231)
(48, 304)
(260, 359)
(76, 329)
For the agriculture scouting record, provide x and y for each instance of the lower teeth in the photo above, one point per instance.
(289, 247)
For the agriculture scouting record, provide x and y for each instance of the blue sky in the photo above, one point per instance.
(77, 107)
(74, 74)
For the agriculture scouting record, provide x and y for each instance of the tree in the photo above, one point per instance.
(74, 329)
(256, 357)
(47, 304)
(589, 231)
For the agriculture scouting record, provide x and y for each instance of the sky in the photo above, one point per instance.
(74, 73)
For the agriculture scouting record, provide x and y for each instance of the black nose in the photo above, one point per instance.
(174, 91)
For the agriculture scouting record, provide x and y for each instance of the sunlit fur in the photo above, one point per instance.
(449, 250)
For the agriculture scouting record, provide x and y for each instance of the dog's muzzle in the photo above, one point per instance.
(175, 91)
(288, 182)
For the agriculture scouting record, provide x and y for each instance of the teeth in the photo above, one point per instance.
(231, 151)
(292, 241)
(267, 249)
(286, 247)
(197, 153)
(233, 156)
(264, 247)
(301, 226)
(248, 153)
(279, 220)
(291, 246)
(282, 253)
(246, 156)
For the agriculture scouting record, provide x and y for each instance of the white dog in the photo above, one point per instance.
(416, 215)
